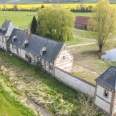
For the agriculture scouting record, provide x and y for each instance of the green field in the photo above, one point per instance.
(9, 106)
(18, 18)
(83, 14)
(23, 19)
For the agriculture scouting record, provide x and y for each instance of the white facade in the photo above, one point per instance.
(102, 101)
(3, 43)
(34, 59)
(75, 83)
(64, 60)
(100, 93)
(102, 104)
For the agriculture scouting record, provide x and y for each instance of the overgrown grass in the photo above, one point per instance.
(75, 41)
(84, 33)
(80, 36)
(9, 106)
(87, 76)
(46, 91)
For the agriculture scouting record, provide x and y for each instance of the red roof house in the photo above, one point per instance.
(81, 22)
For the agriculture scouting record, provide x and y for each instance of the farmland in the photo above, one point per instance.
(30, 6)
(38, 6)
(22, 19)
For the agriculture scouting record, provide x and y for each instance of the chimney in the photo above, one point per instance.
(28, 32)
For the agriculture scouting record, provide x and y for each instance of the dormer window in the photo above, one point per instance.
(14, 38)
(25, 43)
(3, 29)
(42, 51)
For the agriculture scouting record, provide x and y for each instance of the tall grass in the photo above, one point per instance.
(10, 106)
(46, 91)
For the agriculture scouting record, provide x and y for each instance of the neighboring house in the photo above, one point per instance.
(34, 48)
(81, 22)
(5, 32)
(105, 94)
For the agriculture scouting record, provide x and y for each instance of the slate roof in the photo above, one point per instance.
(108, 78)
(9, 28)
(36, 43)
(82, 19)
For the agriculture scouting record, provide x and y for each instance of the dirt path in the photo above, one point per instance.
(86, 44)
(77, 45)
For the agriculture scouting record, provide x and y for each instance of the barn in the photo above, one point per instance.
(81, 22)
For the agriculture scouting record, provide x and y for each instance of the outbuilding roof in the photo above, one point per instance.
(82, 19)
(7, 28)
(108, 78)
(36, 44)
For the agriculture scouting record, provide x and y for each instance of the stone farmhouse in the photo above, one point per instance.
(81, 22)
(34, 48)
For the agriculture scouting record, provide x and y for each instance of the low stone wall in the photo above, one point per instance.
(75, 82)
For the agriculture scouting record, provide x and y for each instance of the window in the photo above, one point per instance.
(26, 56)
(106, 93)
(64, 57)
(0, 38)
(13, 47)
(51, 67)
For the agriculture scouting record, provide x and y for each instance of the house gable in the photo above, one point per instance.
(64, 60)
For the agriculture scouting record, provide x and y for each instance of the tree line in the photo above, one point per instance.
(16, 8)
(83, 8)
(79, 8)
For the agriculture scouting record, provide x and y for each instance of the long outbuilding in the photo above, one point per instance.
(34, 48)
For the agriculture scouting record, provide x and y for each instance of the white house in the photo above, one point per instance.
(5, 32)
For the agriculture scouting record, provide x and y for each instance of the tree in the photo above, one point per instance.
(15, 7)
(103, 23)
(56, 23)
(33, 26)
(42, 6)
(4, 7)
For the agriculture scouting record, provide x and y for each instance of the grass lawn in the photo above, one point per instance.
(9, 106)
(89, 14)
(80, 37)
(45, 90)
